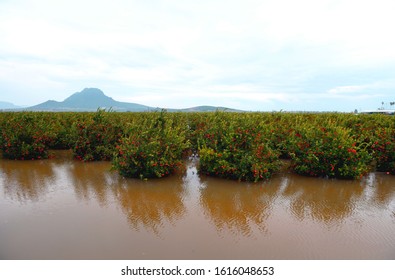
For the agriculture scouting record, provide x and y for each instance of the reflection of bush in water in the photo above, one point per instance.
(382, 187)
(151, 204)
(237, 206)
(90, 180)
(322, 199)
(26, 180)
(148, 203)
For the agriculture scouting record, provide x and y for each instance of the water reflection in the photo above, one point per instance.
(26, 181)
(238, 207)
(323, 200)
(287, 216)
(379, 189)
(332, 201)
(89, 181)
(234, 206)
(150, 204)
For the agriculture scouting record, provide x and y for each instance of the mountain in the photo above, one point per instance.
(208, 109)
(90, 99)
(7, 105)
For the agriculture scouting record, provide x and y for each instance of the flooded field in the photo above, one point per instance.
(66, 209)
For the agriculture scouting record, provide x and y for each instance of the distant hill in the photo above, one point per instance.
(7, 105)
(90, 99)
(208, 109)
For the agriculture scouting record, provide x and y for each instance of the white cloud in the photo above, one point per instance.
(240, 52)
(345, 89)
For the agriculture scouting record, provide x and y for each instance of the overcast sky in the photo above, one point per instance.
(320, 55)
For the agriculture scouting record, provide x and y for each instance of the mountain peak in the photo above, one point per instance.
(87, 93)
(89, 98)
(92, 91)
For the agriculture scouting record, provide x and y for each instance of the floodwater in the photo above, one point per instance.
(65, 209)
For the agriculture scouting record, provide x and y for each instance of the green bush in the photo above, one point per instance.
(153, 147)
(25, 136)
(236, 149)
(96, 137)
(384, 150)
(63, 127)
(330, 151)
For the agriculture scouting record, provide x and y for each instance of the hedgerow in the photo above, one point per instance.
(96, 137)
(25, 136)
(330, 151)
(239, 146)
(152, 148)
(231, 151)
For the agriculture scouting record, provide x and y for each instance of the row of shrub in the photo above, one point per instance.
(240, 146)
(25, 136)
(153, 146)
(235, 149)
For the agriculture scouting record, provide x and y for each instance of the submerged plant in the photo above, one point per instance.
(330, 151)
(96, 137)
(152, 148)
(384, 150)
(228, 150)
(25, 136)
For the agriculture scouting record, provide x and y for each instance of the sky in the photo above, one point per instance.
(258, 55)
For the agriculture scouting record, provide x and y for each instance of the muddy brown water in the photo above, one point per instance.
(65, 209)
